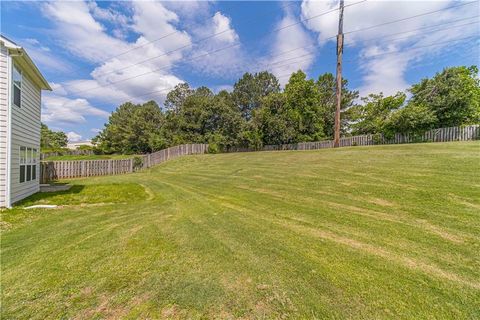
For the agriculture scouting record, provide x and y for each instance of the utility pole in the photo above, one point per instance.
(336, 141)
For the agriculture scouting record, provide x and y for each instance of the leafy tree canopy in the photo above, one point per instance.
(132, 129)
(258, 112)
(249, 90)
(453, 96)
(52, 140)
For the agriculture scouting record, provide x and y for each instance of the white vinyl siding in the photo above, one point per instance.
(3, 123)
(25, 133)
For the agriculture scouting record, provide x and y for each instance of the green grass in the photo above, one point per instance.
(90, 157)
(362, 232)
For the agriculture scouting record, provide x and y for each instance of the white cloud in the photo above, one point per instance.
(44, 57)
(127, 75)
(57, 109)
(292, 49)
(78, 31)
(73, 137)
(218, 47)
(385, 61)
(95, 130)
(222, 27)
(58, 89)
(118, 19)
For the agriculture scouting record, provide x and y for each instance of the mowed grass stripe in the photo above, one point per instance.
(402, 247)
(374, 232)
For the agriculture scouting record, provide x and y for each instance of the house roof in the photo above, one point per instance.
(22, 58)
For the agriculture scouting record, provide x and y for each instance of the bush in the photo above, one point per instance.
(213, 148)
(377, 139)
(137, 163)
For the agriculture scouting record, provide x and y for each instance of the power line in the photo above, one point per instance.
(203, 39)
(416, 48)
(428, 27)
(411, 17)
(169, 89)
(160, 38)
(278, 29)
(295, 48)
(394, 34)
(281, 76)
(294, 62)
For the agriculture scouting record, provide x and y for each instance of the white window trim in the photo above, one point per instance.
(28, 161)
(15, 85)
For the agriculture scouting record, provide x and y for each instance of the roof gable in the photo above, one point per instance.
(21, 57)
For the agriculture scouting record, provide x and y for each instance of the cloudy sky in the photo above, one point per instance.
(97, 55)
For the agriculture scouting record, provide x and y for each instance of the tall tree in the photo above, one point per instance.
(133, 128)
(372, 116)
(413, 118)
(52, 139)
(275, 121)
(303, 97)
(327, 86)
(452, 95)
(251, 88)
(177, 96)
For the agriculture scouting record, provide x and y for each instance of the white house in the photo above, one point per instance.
(78, 144)
(21, 85)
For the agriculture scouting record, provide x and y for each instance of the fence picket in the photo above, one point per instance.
(54, 170)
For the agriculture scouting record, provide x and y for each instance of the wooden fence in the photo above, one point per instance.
(55, 170)
(465, 133)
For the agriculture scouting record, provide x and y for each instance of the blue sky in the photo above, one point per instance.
(97, 55)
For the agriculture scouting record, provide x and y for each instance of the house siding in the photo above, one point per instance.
(25, 132)
(3, 124)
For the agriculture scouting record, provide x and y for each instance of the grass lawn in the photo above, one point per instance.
(90, 157)
(361, 232)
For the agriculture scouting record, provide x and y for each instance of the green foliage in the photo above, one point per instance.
(132, 128)
(452, 96)
(137, 162)
(258, 112)
(52, 140)
(303, 98)
(413, 118)
(275, 120)
(371, 116)
(251, 88)
(176, 98)
(327, 85)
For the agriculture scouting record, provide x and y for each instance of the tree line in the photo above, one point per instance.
(258, 112)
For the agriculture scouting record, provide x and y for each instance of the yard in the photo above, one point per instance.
(360, 232)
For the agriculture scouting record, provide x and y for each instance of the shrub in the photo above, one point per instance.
(213, 148)
(137, 163)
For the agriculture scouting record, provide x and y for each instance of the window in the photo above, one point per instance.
(34, 164)
(28, 164)
(17, 87)
(23, 161)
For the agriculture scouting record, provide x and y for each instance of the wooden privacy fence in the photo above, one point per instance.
(436, 135)
(55, 170)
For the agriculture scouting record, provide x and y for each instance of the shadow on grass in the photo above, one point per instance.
(45, 196)
(90, 194)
